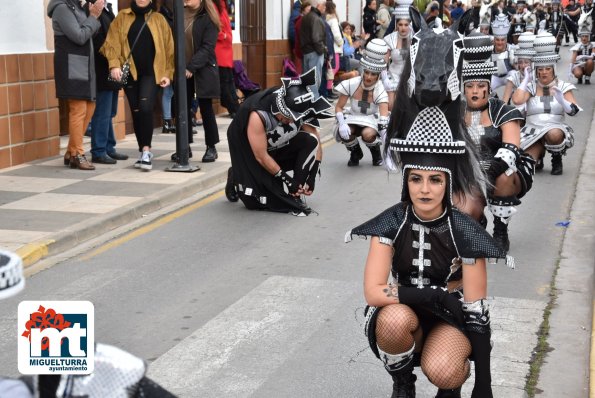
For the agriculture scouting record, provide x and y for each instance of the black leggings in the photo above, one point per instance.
(229, 98)
(205, 105)
(141, 96)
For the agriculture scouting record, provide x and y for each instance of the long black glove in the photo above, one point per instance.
(289, 182)
(477, 325)
(432, 298)
(497, 167)
(311, 180)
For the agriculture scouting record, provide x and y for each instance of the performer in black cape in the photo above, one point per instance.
(274, 133)
(425, 279)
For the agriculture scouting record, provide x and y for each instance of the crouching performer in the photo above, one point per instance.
(368, 114)
(273, 134)
(495, 129)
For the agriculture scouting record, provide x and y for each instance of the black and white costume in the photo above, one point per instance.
(546, 112)
(364, 112)
(398, 56)
(291, 147)
(428, 254)
(502, 60)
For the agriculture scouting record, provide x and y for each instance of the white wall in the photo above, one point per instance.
(22, 27)
(236, 31)
(277, 19)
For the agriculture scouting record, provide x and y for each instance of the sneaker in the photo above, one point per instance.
(587, 80)
(138, 162)
(145, 160)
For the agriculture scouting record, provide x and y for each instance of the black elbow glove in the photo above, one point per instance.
(477, 326)
(434, 299)
(311, 179)
(290, 183)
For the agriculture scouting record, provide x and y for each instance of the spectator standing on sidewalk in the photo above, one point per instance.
(202, 73)
(333, 21)
(103, 139)
(383, 16)
(369, 20)
(297, 48)
(312, 40)
(75, 70)
(224, 54)
(151, 66)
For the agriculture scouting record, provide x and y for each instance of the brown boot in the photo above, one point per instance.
(80, 162)
(67, 159)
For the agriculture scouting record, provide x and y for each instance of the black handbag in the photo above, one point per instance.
(126, 67)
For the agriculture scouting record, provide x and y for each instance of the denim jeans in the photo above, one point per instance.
(314, 60)
(103, 140)
(168, 93)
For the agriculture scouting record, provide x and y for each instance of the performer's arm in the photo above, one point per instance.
(522, 94)
(313, 130)
(507, 91)
(341, 103)
(573, 58)
(258, 143)
(511, 133)
(376, 290)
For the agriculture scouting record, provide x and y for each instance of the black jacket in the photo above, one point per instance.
(203, 63)
(313, 33)
(369, 23)
(101, 64)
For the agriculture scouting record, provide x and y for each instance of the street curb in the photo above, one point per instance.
(101, 224)
(571, 317)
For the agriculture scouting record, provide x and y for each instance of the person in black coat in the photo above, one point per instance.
(103, 139)
(369, 22)
(201, 26)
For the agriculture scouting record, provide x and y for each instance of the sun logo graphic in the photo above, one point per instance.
(56, 337)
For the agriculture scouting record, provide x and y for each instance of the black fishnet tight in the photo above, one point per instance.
(444, 356)
(395, 328)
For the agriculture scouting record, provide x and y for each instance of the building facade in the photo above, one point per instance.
(32, 119)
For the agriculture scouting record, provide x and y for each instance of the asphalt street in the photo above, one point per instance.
(227, 302)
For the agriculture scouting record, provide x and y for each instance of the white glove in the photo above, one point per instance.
(559, 96)
(344, 130)
(526, 79)
(385, 80)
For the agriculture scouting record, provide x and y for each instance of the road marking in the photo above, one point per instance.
(240, 351)
(153, 225)
(271, 322)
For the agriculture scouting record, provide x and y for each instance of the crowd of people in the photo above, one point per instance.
(98, 53)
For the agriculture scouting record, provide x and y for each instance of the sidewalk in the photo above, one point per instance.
(47, 208)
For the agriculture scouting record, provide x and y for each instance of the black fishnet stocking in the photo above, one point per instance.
(395, 328)
(444, 357)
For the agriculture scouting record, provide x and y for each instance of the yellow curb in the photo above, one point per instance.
(592, 357)
(33, 252)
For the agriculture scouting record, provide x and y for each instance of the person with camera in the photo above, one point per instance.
(74, 70)
(140, 39)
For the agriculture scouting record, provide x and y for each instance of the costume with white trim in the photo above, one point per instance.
(398, 56)
(497, 157)
(502, 60)
(364, 112)
(428, 254)
(288, 144)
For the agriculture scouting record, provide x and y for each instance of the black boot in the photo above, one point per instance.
(556, 164)
(539, 163)
(356, 155)
(500, 234)
(376, 155)
(230, 188)
(175, 158)
(404, 384)
(456, 393)
(210, 154)
(168, 126)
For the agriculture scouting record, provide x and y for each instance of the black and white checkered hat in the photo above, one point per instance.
(12, 280)
(545, 48)
(500, 25)
(374, 59)
(525, 43)
(477, 64)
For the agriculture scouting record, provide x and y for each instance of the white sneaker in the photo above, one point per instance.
(145, 160)
(137, 163)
